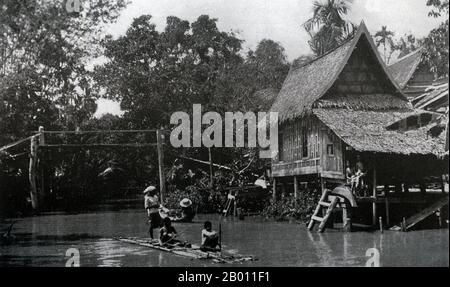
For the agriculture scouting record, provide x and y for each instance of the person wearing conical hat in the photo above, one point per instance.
(152, 206)
(187, 211)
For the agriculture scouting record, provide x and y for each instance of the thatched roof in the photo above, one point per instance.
(305, 85)
(265, 98)
(366, 131)
(403, 69)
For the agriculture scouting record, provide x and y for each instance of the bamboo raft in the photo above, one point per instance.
(192, 252)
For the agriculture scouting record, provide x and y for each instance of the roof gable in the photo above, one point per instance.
(403, 69)
(307, 84)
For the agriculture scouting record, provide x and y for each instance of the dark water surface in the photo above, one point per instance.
(43, 241)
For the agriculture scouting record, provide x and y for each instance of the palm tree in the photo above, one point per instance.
(384, 37)
(327, 27)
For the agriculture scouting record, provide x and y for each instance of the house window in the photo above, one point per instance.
(412, 122)
(304, 142)
(330, 149)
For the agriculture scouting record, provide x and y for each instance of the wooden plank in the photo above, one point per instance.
(327, 215)
(323, 203)
(317, 218)
(413, 220)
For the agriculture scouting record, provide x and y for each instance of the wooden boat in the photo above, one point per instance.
(192, 252)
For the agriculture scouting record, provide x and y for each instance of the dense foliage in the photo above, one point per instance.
(46, 81)
(290, 208)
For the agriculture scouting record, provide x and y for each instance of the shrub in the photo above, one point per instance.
(204, 200)
(289, 207)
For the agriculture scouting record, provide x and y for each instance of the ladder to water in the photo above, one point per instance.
(229, 206)
(326, 201)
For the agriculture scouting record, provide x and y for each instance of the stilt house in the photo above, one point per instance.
(343, 104)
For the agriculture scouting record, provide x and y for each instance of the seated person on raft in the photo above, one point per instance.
(168, 234)
(210, 238)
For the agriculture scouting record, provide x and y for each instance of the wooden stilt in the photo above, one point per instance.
(322, 184)
(346, 217)
(374, 195)
(405, 187)
(422, 186)
(295, 187)
(440, 220)
(274, 190)
(386, 203)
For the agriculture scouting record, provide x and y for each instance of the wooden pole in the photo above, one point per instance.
(346, 217)
(374, 195)
(274, 190)
(295, 187)
(322, 184)
(380, 221)
(32, 173)
(211, 177)
(41, 166)
(422, 186)
(386, 202)
(41, 136)
(440, 220)
(162, 178)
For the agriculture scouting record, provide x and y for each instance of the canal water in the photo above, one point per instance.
(44, 240)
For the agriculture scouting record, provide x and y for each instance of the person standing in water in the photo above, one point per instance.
(152, 206)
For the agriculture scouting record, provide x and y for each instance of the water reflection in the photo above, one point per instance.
(43, 241)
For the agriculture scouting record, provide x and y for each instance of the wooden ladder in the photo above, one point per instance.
(328, 201)
(229, 204)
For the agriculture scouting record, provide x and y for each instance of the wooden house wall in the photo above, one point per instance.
(361, 75)
(293, 159)
(332, 163)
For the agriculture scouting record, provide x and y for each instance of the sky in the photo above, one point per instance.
(279, 20)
